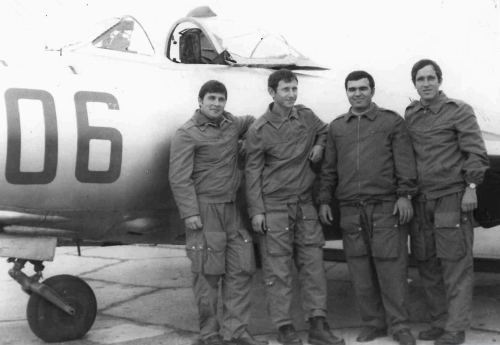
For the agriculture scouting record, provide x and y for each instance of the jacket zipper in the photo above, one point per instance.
(357, 158)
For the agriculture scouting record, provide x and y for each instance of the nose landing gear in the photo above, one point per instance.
(63, 308)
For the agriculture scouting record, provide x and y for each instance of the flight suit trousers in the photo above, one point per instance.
(376, 247)
(442, 237)
(221, 252)
(293, 233)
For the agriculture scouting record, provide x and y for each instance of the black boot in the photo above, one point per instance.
(371, 333)
(451, 338)
(247, 339)
(213, 340)
(319, 333)
(404, 337)
(431, 334)
(288, 336)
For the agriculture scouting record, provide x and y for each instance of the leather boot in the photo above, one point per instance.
(431, 334)
(371, 333)
(247, 339)
(288, 336)
(319, 333)
(404, 337)
(451, 338)
(213, 340)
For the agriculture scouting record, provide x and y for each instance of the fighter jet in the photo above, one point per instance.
(86, 140)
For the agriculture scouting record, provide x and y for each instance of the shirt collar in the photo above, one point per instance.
(275, 119)
(202, 122)
(370, 115)
(435, 105)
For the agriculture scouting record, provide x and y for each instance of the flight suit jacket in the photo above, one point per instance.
(367, 157)
(448, 145)
(278, 171)
(203, 161)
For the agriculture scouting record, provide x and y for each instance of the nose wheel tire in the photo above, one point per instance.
(52, 324)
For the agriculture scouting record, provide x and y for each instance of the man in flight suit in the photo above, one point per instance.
(451, 162)
(369, 164)
(204, 179)
(281, 145)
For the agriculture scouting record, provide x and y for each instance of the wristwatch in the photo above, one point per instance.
(472, 185)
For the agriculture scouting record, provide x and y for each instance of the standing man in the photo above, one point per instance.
(281, 145)
(369, 165)
(204, 179)
(451, 162)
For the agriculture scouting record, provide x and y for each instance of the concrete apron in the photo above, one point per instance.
(144, 297)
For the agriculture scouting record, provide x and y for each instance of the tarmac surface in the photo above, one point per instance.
(144, 297)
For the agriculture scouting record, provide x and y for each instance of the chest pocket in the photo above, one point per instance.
(345, 143)
(438, 134)
(343, 137)
(279, 151)
(380, 134)
(216, 143)
(210, 151)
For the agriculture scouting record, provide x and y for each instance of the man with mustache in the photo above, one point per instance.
(369, 165)
(281, 145)
(204, 180)
(451, 162)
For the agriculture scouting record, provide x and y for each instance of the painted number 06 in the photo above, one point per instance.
(85, 132)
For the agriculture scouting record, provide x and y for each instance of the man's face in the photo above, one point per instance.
(286, 93)
(212, 105)
(360, 94)
(427, 84)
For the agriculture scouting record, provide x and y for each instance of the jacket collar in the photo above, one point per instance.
(276, 120)
(202, 122)
(435, 105)
(370, 114)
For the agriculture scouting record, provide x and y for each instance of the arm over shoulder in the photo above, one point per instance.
(243, 123)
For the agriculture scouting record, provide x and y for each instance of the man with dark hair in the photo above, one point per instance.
(451, 162)
(204, 180)
(281, 145)
(282, 74)
(357, 75)
(423, 63)
(369, 165)
(212, 86)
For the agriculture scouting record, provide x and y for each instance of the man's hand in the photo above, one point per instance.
(259, 223)
(405, 209)
(325, 214)
(316, 153)
(193, 223)
(469, 200)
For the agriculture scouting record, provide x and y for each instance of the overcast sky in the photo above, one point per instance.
(384, 37)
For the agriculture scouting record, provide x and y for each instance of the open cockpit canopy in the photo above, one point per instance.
(203, 37)
(199, 38)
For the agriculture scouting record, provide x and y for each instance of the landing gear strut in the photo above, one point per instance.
(63, 308)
